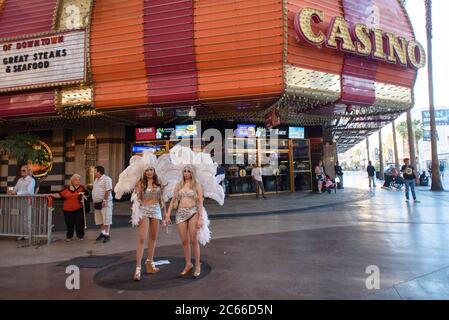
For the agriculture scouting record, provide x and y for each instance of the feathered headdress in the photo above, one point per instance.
(171, 165)
(128, 179)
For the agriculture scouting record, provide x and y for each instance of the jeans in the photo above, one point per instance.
(373, 179)
(410, 184)
(257, 185)
(340, 185)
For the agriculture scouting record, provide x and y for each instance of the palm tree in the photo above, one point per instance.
(395, 144)
(25, 148)
(418, 131)
(437, 184)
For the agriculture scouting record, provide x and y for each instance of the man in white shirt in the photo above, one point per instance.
(25, 185)
(256, 174)
(102, 198)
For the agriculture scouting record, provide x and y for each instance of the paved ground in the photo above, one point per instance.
(290, 246)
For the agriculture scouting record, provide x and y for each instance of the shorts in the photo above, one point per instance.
(104, 216)
(184, 214)
(151, 211)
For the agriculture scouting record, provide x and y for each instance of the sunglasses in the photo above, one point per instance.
(187, 171)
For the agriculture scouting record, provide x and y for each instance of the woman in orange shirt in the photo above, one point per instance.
(73, 207)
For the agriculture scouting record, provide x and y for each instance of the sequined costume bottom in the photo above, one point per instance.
(184, 214)
(151, 211)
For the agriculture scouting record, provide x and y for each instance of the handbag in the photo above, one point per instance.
(98, 205)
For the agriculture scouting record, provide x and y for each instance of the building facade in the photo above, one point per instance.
(85, 74)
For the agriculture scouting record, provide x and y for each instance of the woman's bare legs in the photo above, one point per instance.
(183, 234)
(194, 241)
(143, 230)
(152, 237)
(320, 186)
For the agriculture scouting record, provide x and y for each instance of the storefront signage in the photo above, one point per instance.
(441, 117)
(262, 132)
(360, 39)
(427, 137)
(164, 133)
(45, 61)
(143, 134)
(142, 148)
(41, 170)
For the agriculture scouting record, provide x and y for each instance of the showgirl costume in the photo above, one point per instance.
(169, 169)
(127, 182)
(152, 210)
(201, 164)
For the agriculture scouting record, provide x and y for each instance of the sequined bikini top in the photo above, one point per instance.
(150, 194)
(190, 194)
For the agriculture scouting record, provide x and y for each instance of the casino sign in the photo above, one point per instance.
(360, 39)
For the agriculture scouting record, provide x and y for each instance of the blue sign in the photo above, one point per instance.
(441, 117)
(426, 136)
(296, 132)
(142, 148)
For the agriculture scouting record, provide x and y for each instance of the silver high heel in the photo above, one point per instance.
(136, 276)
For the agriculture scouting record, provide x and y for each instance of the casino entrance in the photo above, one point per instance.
(286, 168)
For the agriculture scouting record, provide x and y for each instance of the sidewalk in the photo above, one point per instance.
(240, 206)
(244, 209)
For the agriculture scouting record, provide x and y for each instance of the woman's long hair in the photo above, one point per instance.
(144, 182)
(193, 184)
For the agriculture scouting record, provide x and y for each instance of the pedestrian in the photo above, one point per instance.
(410, 177)
(442, 168)
(320, 175)
(256, 175)
(26, 183)
(339, 173)
(371, 174)
(102, 199)
(73, 207)
(25, 186)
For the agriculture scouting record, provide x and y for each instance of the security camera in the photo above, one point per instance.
(192, 112)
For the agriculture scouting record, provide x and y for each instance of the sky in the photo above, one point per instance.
(416, 11)
(440, 43)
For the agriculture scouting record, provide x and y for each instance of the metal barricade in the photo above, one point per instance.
(27, 216)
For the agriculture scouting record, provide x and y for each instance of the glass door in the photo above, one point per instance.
(302, 168)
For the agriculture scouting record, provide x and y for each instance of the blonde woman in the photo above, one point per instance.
(187, 201)
(147, 198)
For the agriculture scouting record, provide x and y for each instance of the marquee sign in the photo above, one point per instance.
(43, 61)
(359, 39)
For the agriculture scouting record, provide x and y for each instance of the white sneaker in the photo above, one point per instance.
(407, 200)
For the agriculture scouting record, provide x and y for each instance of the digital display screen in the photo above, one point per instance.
(164, 133)
(186, 131)
(143, 134)
(296, 132)
(246, 131)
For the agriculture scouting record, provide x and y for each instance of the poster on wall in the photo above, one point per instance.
(44, 61)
